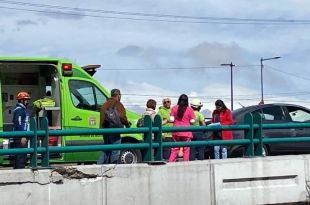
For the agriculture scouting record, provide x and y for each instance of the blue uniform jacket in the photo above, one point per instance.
(20, 118)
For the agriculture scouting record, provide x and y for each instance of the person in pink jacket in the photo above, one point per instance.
(181, 115)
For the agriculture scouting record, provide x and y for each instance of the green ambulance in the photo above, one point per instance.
(77, 98)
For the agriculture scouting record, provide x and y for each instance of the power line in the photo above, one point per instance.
(175, 68)
(270, 95)
(211, 99)
(152, 15)
(119, 18)
(128, 103)
(288, 73)
(289, 101)
(168, 68)
(164, 17)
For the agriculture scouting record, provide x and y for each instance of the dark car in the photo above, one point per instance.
(276, 113)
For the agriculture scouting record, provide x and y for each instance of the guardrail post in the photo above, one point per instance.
(258, 134)
(148, 138)
(249, 150)
(45, 156)
(33, 143)
(158, 138)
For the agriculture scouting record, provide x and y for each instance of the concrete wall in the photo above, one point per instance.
(233, 181)
(260, 181)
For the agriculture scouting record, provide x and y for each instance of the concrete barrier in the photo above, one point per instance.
(266, 180)
(234, 181)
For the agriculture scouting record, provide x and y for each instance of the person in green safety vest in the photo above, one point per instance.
(164, 112)
(198, 151)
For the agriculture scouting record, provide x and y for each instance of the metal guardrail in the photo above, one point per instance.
(152, 132)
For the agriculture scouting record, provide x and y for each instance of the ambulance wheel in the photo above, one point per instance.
(130, 156)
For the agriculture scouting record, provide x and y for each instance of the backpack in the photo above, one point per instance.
(140, 122)
(112, 118)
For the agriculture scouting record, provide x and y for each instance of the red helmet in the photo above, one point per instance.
(23, 96)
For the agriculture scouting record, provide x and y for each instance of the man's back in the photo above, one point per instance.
(115, 109)
(120, 109)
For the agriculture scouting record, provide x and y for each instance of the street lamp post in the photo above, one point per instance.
(261, 75)
(231, 84)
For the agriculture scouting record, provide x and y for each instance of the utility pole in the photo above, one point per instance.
(261, 76)
(231, 84)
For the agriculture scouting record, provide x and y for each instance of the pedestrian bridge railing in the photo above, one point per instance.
(253, 138)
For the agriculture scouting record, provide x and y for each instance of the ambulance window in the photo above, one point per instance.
(101, 98)
(86, 95)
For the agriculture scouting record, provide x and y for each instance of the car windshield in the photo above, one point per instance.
(298, 114)
(270, 113)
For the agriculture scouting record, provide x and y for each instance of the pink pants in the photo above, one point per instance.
(175, 150)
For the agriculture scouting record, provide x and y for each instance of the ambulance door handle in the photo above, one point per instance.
(76, 118)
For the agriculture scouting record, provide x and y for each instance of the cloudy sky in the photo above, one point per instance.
(151, 49)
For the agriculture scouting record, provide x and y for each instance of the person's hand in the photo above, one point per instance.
(23, 141)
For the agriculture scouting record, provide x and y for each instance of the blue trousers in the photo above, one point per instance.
(198, 151)
(107, 157)
(217, 152)
(167, 150)
(20, 159)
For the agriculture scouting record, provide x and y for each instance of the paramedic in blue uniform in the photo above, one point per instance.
(21, 123)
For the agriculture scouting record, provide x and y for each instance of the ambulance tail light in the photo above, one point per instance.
(66, 69)
(54, 141)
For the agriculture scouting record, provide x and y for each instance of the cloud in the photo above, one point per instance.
(161, 57)
(135, 94)
(130, 51)
(216, 53)
(243, 95)
(152, 56)
(274, 79)
(25, 22)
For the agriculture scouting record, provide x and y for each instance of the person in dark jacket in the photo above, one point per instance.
(112, 156)
(223, 116)
(21, 123)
